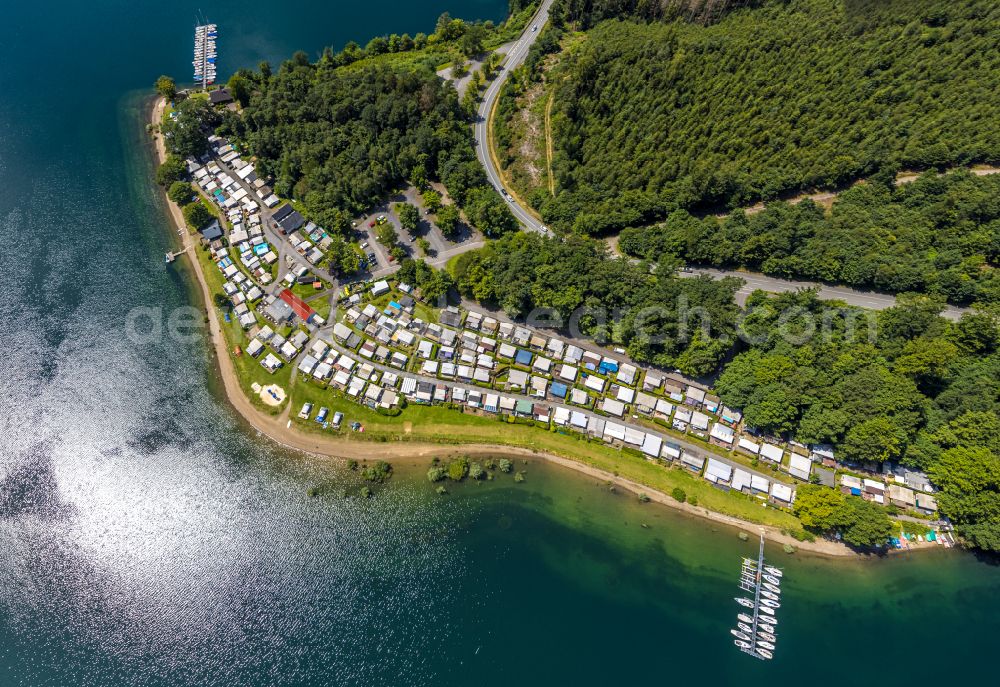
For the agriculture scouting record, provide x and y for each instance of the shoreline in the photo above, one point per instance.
(277, 430)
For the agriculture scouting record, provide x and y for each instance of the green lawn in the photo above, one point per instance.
(248, 369)
(446, 426)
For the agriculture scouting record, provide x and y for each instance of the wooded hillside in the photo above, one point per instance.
(938, 234)
(792, 95)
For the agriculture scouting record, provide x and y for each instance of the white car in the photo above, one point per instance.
(306, 410)
(534, 28)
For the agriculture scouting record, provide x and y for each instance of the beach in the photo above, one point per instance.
(278, 429)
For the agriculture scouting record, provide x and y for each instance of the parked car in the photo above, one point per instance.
(338, 417)
(306, 410)
(364, 245)
(323, 412)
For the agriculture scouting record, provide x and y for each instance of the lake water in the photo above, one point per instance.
(147, 538)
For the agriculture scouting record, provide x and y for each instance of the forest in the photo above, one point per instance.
(771, 100)
(939, 234)
(902, 385)
(657, 317)
(340, 133)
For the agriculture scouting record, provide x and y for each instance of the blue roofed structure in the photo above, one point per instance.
(559, 389)
(523, 357)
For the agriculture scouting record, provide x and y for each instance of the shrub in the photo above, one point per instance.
(172, 169)
(180, 192)
(679, 494)
(378, 473)
(693, 500)
(505, 465)
(518, 476)
(643, 498)
(458, 468)
(436, 474)
(476, 470)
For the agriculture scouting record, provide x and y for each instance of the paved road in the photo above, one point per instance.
(693, 448)
(515, 57)
(865, 299)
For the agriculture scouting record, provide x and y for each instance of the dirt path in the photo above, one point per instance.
(549, 151)
(279, 430)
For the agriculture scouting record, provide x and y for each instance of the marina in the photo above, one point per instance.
(205, 54)
(755, 633)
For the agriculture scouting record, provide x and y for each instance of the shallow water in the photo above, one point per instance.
(148, 538)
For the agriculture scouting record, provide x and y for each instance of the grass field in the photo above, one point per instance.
(446, 426)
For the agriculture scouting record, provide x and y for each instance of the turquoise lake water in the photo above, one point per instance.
(148, 538)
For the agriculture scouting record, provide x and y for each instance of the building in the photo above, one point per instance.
(298, 306)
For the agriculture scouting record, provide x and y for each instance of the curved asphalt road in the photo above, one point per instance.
(515, 58)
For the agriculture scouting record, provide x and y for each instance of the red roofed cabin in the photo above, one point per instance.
(298, 306)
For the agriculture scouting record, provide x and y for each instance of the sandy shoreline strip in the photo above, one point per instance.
(276, 427)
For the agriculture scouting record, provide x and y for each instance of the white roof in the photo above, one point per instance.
(771, 452)
(781, 492)
(625, 394)
(718, 471)
(722, 432)
(594, 382)
(613, 430)
(748, 445)
(651, 445)
(634, 436)
(613, 407)
(741, 479)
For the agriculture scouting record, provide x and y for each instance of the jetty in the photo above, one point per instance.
(755, 628)
(205, 54)
(169, 257)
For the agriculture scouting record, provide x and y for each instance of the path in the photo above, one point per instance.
(516, 56)
(872, 300)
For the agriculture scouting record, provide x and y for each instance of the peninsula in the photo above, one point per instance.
(382, 307)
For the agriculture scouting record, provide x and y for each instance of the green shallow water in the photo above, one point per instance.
(148, 538)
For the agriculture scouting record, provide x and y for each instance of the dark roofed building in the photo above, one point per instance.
(291, 222)
(211, 231)
(220, 96)
(281, 213)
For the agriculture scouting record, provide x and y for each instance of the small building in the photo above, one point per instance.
(613, 407)
(721, 434)
(718, 472)
(799, 466)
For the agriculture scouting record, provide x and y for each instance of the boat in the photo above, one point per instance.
(764, 653)
(745, 627)
(741, 644)
(767, 636)
(769, 629)
(744, 602)
(741, 635)
(765, 609)
(769, 595)
(766, 645)
(772, 604)
(744, 618)
(771, 587)
(771, 570)
(772, 579)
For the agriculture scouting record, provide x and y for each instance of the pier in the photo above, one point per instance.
(205, 54)
(756, 634)
(171, 256)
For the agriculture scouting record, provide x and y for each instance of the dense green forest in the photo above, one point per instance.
(524, 271)
(900, 385)
(585, 13)
(939, 234)
(787, 96)
(339, 133)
